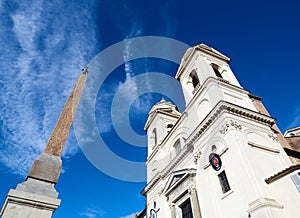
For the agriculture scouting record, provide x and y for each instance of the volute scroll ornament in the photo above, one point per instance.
(230, 124)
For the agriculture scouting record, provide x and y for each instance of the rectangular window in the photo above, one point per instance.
(186, 209)
(224, 182)
(296, 180)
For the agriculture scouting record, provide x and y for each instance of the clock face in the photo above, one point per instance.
(215, 161)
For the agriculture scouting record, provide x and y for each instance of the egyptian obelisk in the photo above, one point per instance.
(36, 197)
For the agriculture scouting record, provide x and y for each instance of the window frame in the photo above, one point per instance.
(177, 147)
(224, 183)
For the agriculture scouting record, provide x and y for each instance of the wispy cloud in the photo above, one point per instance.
(296, 121)
(42, 53)
(130, 71)
(129, 216)
(128, 21)
(92, 213)
(170, 22)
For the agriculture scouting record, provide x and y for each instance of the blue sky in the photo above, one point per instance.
(45, 44)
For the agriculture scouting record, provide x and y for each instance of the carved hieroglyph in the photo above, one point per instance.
(60, 133)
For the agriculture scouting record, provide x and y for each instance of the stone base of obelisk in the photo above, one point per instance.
(23, 204)
(36, 197)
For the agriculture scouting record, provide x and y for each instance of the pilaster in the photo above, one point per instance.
(195, 202)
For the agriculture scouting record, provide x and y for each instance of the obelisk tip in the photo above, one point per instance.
(85, 70)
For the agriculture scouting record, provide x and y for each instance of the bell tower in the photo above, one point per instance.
(199, 64)
(232, 161)
(162, 117)
(206, 79)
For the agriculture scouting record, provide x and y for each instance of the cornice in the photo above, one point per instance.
(154, 152)
(282, 173)
(226, 107)
(202, 48)
(208, 82)
(184, 62)
(159, 111)
(213, 52)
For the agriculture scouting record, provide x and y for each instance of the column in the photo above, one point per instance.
(173, 210)
(195, 202)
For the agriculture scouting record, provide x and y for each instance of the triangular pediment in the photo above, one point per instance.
(178, 177)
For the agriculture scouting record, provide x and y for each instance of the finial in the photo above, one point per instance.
(85, 70)
(162, 99)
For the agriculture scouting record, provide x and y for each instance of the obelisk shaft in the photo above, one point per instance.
(60, 133)
(47, 166)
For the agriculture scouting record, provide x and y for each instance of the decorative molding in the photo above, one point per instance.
(17, 198)
(235, 125)
(228, 124)
(223, 80)
(196, 88)
(226, 107)
(263, 202)
(254, 145)
(160, 191)
(226, 194)
(192, 187)
(171, 204)
(224, 128)
(282, 173)
(273, 136)
(197, 155)
(186, 184)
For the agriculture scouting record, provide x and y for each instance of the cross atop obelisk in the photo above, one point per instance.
(36, 196)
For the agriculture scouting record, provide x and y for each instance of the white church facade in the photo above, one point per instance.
(223, 156)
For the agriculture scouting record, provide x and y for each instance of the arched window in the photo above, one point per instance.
(213, 149)
(169, 127)
(154, 136)
(177, 146)
(216, 70)
(194, 78)
(195, 81)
